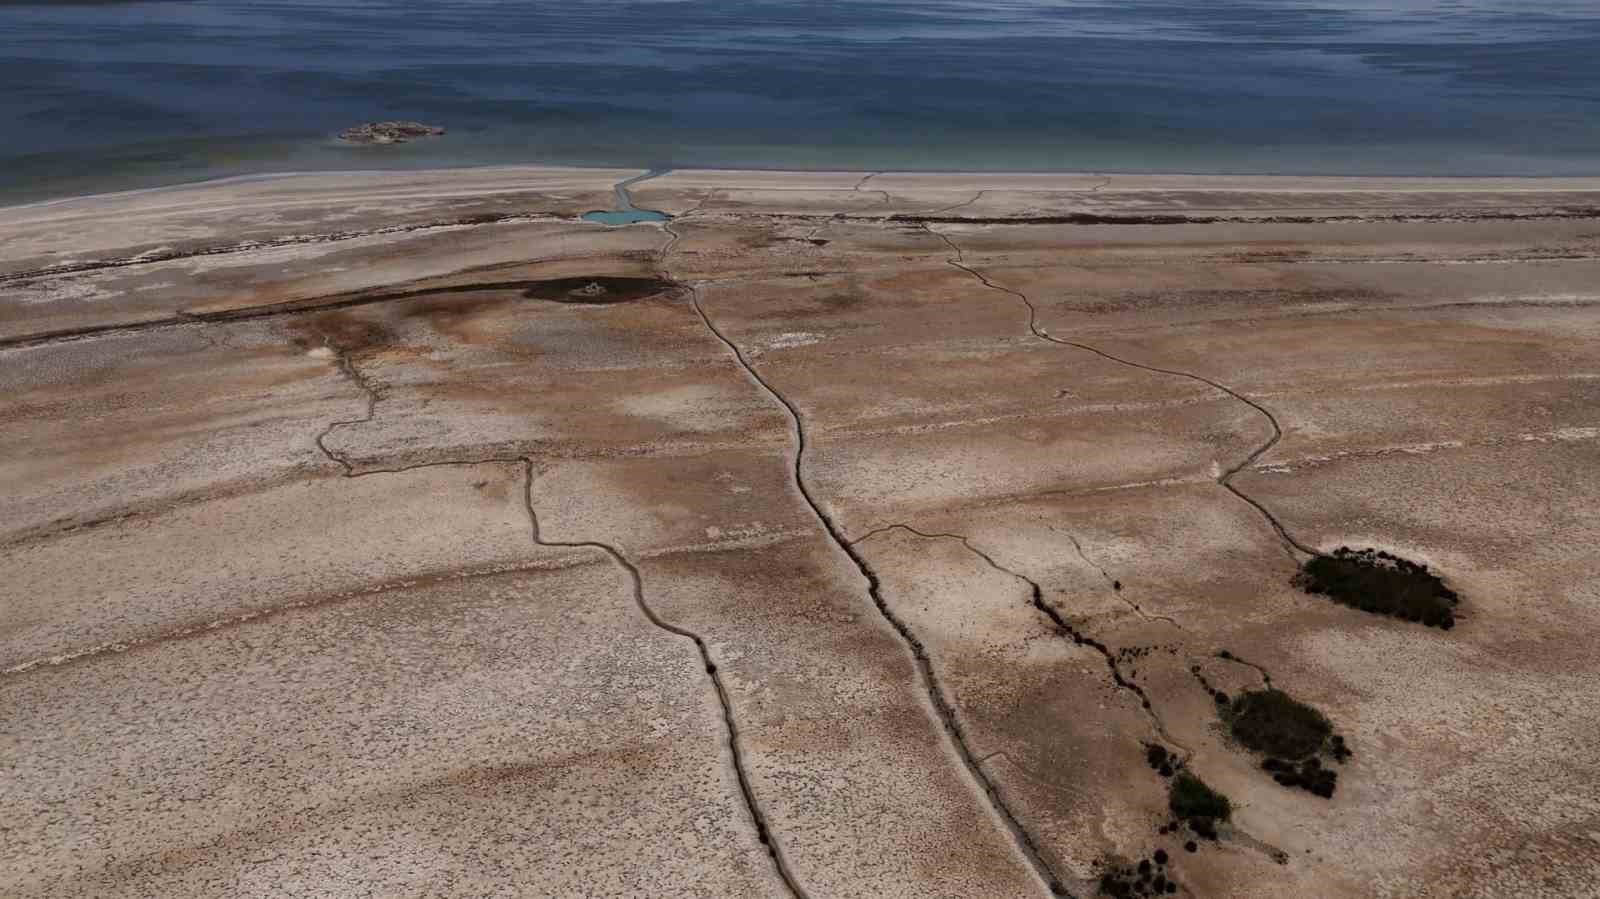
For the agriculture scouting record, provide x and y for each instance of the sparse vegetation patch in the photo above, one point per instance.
(1376, 581)
(1218, 696)
(1143, 879)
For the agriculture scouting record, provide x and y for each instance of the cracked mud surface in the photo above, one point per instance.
(853, 534)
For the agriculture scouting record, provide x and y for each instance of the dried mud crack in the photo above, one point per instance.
(1021, 838)
(373, 395)
(860, 187)
(1061, 626)
(747, 791)
(964, 203)
(1116, 586)
(752, 805)
(1225, 480)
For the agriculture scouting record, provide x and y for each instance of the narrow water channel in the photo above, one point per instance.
(626, 213)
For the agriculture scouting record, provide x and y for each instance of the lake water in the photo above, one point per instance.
(96, 95)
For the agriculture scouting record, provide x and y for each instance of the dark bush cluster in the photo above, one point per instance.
(1149, 877)
(1160, 760)
(1310, 775)
(1376, 581)
(1291, 734)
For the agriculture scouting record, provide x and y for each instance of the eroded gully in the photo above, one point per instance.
(945, 712)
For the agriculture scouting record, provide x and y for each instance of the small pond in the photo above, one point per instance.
(626, 213)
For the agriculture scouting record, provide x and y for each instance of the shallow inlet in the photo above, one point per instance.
(626, 213)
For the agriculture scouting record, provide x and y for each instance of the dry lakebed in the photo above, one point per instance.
(801, 535)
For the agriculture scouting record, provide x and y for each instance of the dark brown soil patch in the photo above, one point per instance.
(339, 331)
(840, 301)
(448, 313)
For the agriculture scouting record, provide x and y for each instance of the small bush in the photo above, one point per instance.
(1274, 723)
(1190, 798)
(1155, 755)
(1376, 581)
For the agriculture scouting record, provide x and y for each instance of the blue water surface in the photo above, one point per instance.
(121, 94)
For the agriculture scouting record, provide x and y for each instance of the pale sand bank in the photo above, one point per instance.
(182, 219)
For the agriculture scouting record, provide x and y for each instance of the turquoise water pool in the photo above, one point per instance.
(629, 217)
(626, 213)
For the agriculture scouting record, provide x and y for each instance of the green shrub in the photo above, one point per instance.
(1191, 798)
(1273, 723)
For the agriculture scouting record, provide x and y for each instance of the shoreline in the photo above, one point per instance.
(932, 179)
(271, 213)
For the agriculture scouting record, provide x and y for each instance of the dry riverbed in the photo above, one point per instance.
(846, 535)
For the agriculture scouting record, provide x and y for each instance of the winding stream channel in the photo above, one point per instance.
(626, 213)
